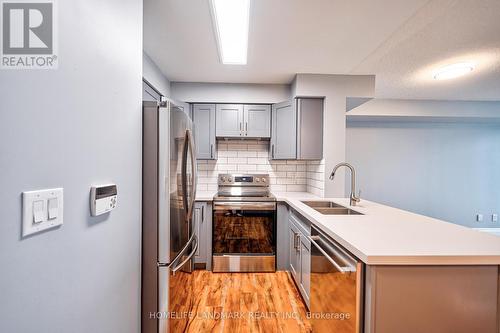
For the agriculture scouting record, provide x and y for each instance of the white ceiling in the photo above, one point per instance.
(400, 41)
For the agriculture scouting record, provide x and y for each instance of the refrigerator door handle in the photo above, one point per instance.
(193, 173)
(193, 252)
(184, 180)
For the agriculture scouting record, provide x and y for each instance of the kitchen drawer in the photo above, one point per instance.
(302, 223)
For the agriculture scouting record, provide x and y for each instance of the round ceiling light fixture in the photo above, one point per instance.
(454, 71)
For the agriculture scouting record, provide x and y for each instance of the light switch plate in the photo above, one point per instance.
(42, 221)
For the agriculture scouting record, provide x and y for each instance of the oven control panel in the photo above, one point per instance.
(227, 179)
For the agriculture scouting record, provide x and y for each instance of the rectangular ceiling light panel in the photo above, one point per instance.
(231, 29)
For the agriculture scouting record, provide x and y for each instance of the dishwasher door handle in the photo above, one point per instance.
(341, 269)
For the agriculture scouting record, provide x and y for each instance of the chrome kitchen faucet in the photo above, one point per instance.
(353, 198)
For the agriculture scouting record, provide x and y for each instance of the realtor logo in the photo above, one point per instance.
(28, 35)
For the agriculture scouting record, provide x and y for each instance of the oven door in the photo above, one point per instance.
(244, 237)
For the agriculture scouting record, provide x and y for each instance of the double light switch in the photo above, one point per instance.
(42, 210)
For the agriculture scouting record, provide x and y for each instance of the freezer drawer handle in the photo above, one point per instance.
(195, 248)
(341, 269)
(164, 264)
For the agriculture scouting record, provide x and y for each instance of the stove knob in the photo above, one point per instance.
(257, 180)
(230, 179)
(263, 180)
(223, 179)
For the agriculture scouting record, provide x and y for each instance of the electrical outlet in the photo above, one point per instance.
(479, 217)
(494, 217)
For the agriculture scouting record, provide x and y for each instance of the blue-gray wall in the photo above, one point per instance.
(73, 127)
(153, 75)
(450, 171)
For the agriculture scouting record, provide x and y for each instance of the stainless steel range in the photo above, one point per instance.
(244, 224)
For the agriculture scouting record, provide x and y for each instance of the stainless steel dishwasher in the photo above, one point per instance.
(336, 299)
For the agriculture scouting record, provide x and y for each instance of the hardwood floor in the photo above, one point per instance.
(247, 302)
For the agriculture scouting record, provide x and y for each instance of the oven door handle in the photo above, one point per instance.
(266, 206)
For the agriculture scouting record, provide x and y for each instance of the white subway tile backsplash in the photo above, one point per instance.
(236, 160)
(227, 153)
(237, 146)
(280, 188)
(247, 153)
(226, 167)
(247, 167)
(264, 154)
(257, 148)
(203, 167)
(286, 167)
(264, 167)
(252, 156)
(295, 188)
(302, 181)
(301, 167)
(285, 181)
(256, 160)
(201, 187)
(316, 177)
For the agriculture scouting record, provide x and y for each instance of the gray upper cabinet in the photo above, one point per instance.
(309, 128)
(284, 131)
(238, 120)
(257, 120)
(297, 129)
(204, 128)
(229, 120)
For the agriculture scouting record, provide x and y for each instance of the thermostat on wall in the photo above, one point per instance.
(102, 199)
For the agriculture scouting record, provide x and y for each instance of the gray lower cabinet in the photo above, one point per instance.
(297, 129)
(300, 253)
(305, 267)
(257, 119)
(204, 129)
(282, 236)
(202, 218)
(294, 251)
(229, 120)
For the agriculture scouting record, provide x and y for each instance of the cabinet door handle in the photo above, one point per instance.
(272, 150)
(240, 128)
(211, 151)
(297, 236)
(246, 129)
(202, 213)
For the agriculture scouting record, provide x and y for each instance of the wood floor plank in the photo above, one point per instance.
(247, 302)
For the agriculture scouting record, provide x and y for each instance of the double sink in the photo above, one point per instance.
(330, 208)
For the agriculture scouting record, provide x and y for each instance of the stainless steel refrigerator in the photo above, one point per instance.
(168, 239)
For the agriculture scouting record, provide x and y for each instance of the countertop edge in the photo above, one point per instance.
(396, 260)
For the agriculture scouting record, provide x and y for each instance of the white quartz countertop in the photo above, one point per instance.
(390, 236)
(205, 195)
